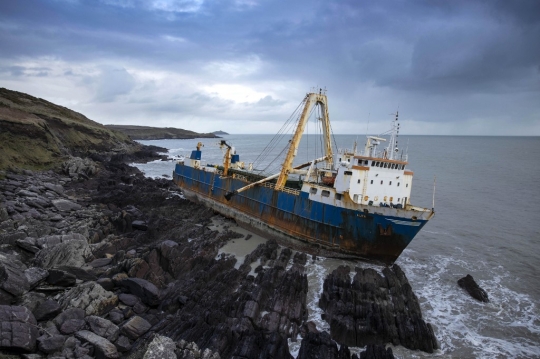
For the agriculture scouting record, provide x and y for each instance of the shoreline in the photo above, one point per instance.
(104, 261)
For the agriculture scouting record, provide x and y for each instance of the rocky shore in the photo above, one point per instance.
(98, 261)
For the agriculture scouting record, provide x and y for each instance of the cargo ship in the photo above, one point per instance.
(343, 204)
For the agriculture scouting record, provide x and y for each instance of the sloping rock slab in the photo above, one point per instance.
(91, 297)
(18, 329)
(73, 253)
(143, 289)
(135, 327)
(64, 205)
(12, 278)
(102, 347)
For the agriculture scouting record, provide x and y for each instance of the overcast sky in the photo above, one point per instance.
(243, 66)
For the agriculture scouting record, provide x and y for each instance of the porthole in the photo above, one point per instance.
(358, 181)
(390, 183)
(371, 181)
(325, 193)
(313, 190)
(339, 196)
(381, 182)
(398, 184)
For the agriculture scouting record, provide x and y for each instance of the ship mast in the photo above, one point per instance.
(311, 99)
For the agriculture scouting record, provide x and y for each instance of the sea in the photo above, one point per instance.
(486, 195)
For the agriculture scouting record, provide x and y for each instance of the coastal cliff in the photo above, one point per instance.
(158, 133)
(38, 134)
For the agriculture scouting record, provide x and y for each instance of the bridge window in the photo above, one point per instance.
(390, 183)
(381, 182)
(347, 173)
(371, 181)
(358, 181)
(398, 184)
(372, 163)
(385, 165)
(325, 193)
(313, 190)
(366, 162)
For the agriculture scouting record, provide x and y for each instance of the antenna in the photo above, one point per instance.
(433, 204)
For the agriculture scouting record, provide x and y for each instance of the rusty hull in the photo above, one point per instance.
(298, 222)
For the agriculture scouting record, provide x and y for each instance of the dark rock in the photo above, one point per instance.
(143, 289)
(61, 278)
(71, 326)
(69, 313)
(12, 278)
(102, 347)
(35, 276)
(375, 309)
(11, 238)
(103, 327)
(135, 327)
(73, 253)
(318, 346)
(116, 316)
(128, 299)
(51, 344)
(469, 284)
(48, 309)
(28, 244)
(140, 225)
(106, 283)
(123, 344)
(64, 205)
(18, 329)
(100, 262)
(79, 273)
(377, 352)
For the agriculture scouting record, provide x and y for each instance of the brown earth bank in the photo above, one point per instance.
(107, 263)
(37, 134)
(158, 133)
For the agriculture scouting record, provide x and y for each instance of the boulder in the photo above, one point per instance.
(143, 289)
(102, 347)
(51, 344)
(377, 352)
(135, 327)
(12, 278)
(103, 327)
(468, 283)
(61, 278)
(65, 205)
(18, 330)
(161, 347)
(35, 276)
(67, 314)
(46, 310)
(71, 326)
(73, 253)
(91, 297)
(318, 346)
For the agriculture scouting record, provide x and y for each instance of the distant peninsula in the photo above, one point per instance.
(158, 133)
(220, 133)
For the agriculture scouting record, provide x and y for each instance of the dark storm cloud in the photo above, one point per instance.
(460, 55)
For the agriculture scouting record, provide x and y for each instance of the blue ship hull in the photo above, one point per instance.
(294, 219)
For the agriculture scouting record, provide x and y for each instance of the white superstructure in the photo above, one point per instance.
(374, 177)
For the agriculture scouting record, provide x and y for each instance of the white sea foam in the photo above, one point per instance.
(508, 326)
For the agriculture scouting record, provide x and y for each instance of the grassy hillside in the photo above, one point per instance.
(37, 134)
(157, 133)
